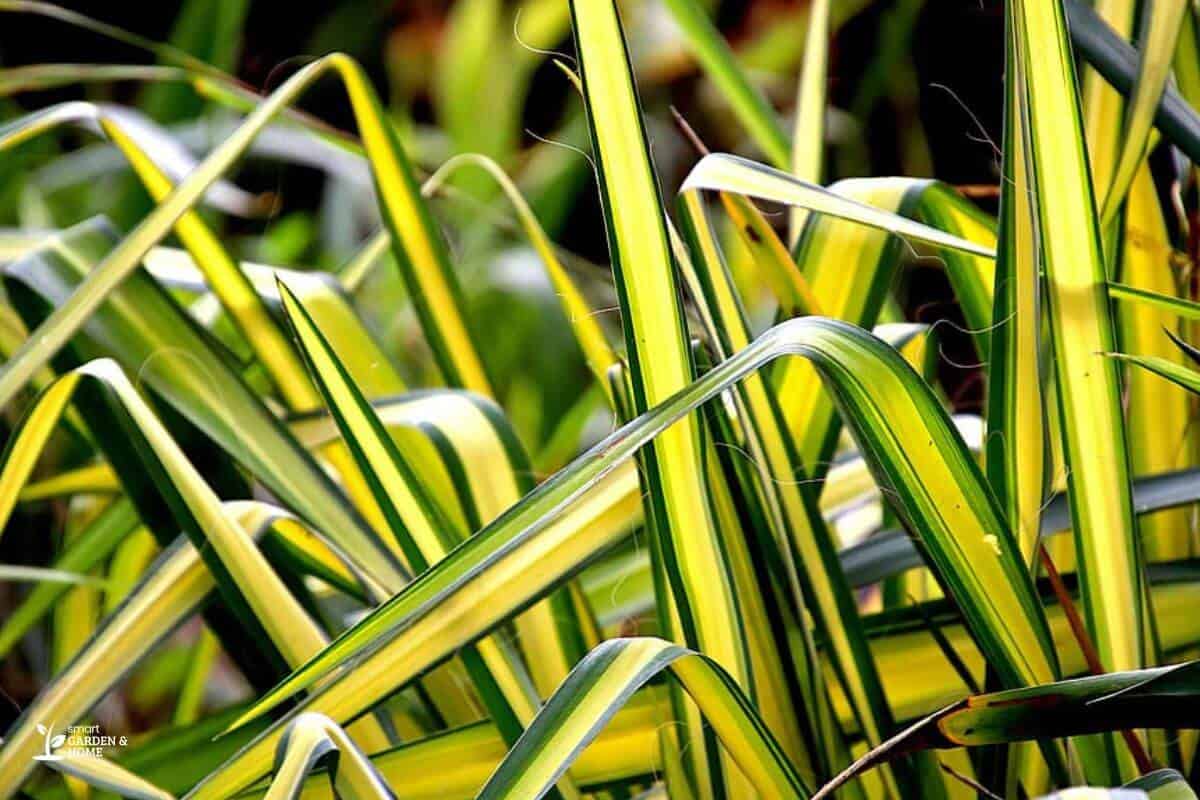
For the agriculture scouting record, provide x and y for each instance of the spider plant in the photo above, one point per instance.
(337, 531)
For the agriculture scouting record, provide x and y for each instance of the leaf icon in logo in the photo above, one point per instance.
(41, 729)
(57, 741)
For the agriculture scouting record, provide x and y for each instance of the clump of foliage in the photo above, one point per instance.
(424, 523)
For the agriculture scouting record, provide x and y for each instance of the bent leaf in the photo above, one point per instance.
(313, 739)
(603, 682)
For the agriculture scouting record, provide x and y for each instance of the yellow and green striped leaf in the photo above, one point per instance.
(1158, 412)
(656, 343)
(808, 554)
(596, 349)
(104, 775)
(937, 490)
(1081, 327)
(1162, 23)
(603, 682)
(1016, 450)
(808, 130)
(423, 532)
(144, 328)
(134, 437)
(176, 586)
(313, 739)
(852, 226)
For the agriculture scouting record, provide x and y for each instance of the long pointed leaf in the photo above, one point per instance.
(1081, 330)
(660, 362)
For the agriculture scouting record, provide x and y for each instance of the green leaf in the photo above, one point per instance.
(603, 682)
(11, 573)
(747, 103)
(1172, 371)
(1151, 698)
(1176, 306)
(890, 552)
(1162, 697)
(659, 360)
(1081, 328)
(107, 776)
(87, 549)
(311, 739)
(144, 328)
(904, 646)
(1162, 23)
(1115, 59)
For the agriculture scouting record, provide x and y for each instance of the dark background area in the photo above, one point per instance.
(956, 47)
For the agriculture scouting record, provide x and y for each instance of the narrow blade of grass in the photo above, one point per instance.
(1081, 329)
(808, 132)
(748, 105)
(1016, 441)
(1162, 23)
(660, 363)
